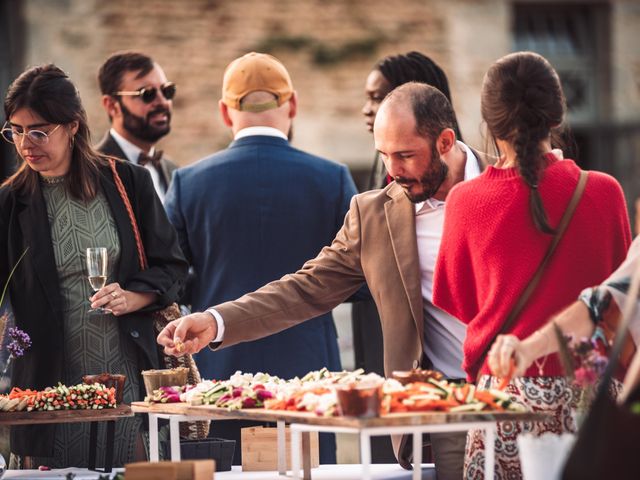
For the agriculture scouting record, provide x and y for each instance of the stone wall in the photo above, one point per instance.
(329, 47)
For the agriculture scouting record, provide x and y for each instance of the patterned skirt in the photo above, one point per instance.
(555, 396)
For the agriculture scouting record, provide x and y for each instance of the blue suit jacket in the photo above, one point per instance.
(246, 216)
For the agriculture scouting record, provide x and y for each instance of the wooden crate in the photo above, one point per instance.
(260, 449)
(186, 470)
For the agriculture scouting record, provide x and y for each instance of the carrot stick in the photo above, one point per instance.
(504, 381)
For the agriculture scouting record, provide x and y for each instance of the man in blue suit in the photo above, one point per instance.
(254, 212)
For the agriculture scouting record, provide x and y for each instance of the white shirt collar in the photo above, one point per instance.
(471, 170)
(130, 150)
(265, 131)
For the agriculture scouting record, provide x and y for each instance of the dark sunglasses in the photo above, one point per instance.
(148, 94)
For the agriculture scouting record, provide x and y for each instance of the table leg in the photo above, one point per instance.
(282, 448)
(93, 444)
(489, 451)
(365, 455)
(174, 432)
(306, 455)
(417, 455)
(153, 438)
(108, 456)
(295, 454)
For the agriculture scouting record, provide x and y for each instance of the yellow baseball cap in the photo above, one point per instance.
(255, 72)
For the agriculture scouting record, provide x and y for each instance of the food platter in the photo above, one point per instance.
(65, 416)
(309, 418)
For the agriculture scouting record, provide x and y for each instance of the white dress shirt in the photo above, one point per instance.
(132, 152)
(444, 334)
(255, 131)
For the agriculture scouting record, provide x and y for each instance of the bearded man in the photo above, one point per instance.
(390, 240)
(138, 99)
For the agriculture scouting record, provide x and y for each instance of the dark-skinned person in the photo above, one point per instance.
(388, 73)
(389, 241)
(61, 201)
(497, 230)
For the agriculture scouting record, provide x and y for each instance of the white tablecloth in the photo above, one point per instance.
(324, 472)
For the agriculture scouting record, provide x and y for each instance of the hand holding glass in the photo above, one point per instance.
(97, 271)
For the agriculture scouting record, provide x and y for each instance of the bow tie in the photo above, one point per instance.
(154, 159)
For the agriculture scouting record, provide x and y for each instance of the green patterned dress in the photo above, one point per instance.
(92, 343)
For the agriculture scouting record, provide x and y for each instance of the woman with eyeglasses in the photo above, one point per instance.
(62, 200)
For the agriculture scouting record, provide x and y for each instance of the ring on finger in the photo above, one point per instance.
(114, 294)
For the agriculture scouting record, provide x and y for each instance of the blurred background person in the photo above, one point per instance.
(389, 73)
(61, 201)
(138, 99)
(498, 229)
(389, 241)
(249, 214)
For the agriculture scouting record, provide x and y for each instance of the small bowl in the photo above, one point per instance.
(362, 401)
(171, 377)
(109, 380)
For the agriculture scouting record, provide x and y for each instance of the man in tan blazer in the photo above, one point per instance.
(381, 243)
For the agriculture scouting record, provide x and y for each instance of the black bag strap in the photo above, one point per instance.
(562, 227)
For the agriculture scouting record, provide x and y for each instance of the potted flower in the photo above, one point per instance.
(19, 341)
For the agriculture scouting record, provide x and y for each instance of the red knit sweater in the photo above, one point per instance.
(490, 250)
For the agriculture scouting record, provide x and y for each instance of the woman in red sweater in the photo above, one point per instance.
(497, 230)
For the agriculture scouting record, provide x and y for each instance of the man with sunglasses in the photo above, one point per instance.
(137, 97)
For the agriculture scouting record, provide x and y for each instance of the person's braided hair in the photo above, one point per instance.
(521, 102)
(415, 67)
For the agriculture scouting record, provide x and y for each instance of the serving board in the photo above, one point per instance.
(389, 420)
(65, 416)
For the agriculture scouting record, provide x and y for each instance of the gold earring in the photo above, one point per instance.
(72, 141)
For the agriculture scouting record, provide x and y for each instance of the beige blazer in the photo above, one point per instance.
(376, 244)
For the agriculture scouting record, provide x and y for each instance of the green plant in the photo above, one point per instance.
(321, 53)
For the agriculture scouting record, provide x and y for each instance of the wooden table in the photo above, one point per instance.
(109, 415)
(416, 423)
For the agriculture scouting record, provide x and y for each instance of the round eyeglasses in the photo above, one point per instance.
(148, 94)
(37, 137)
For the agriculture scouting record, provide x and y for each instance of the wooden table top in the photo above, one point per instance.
(392, 419)
(65, 416)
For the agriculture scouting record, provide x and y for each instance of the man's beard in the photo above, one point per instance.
(431, 181)
(142, 128)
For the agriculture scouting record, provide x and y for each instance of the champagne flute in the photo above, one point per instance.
(97, 272)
